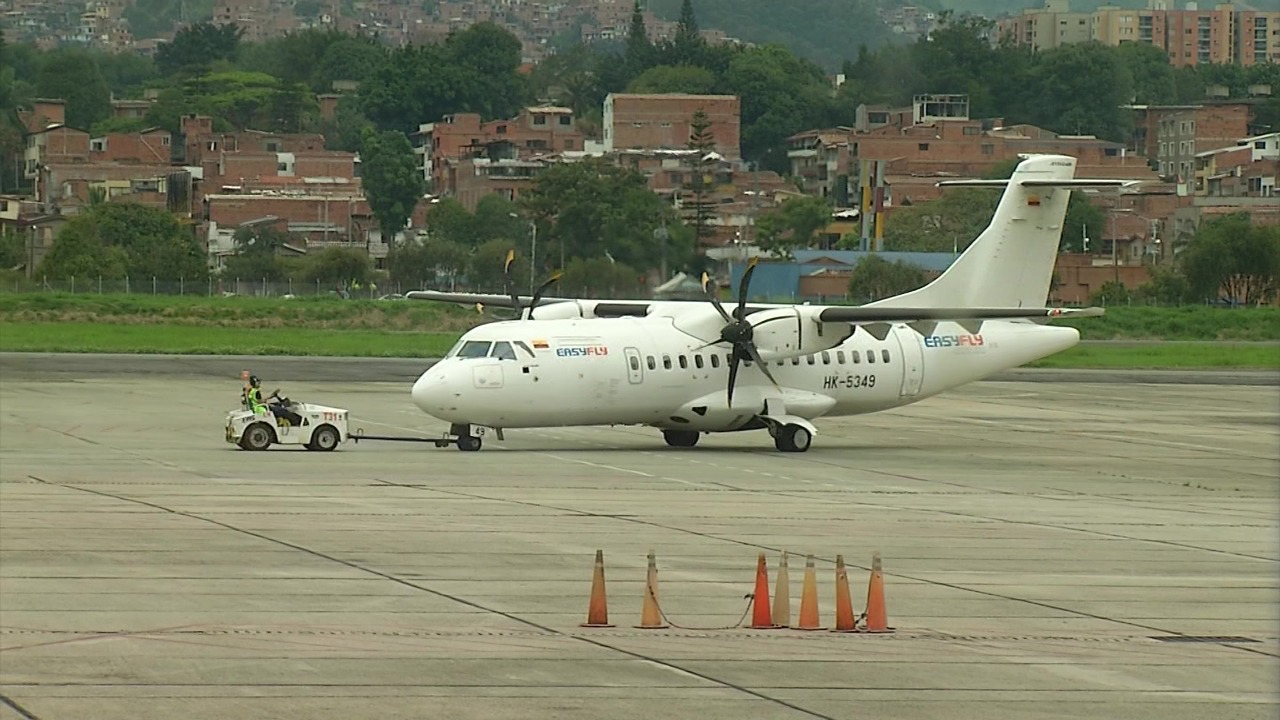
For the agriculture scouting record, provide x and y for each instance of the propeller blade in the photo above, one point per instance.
(706, 279)
(508, 283)
(734, 359)
(537, 295)
(742, 288)
(764, 366)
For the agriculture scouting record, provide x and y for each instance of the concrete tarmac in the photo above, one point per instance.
(1051, 550)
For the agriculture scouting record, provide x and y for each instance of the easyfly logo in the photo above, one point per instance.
(588, 351)
(942, 341)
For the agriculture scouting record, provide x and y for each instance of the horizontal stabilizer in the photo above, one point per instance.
(866, 315)
(1072, 183)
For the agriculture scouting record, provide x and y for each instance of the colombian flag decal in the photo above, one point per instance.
(540, 345)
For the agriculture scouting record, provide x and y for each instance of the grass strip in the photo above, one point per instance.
(1162, 356)
(193, 340)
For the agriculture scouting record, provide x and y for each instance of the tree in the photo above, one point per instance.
(874, 278)
(670, 79)
(793, 224)
(339, 266)
(391, 179)
(195, 49)
(639, 49)
(73, 75)
(424, 262)
(600, 277)
(701, 173)
(948, 223)
(1232, 258)
(117, 239)
(587, 208)
(258, 254)
(688, 40)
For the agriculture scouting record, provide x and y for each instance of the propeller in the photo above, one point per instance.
(738, 332)
(537, 294)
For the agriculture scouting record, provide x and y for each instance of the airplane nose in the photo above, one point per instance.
(428, 392)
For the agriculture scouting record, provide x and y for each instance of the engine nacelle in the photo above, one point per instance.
(795, 331)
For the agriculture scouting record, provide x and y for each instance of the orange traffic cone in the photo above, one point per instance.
(650, 615)
(877, 613)
(809, 599)
(598, 609)
(760, 617)
(782, 595)
(845, 621)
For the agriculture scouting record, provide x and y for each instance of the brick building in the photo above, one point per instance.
(1170, 136)
(151, 146)
(662, 121)
(535, 131)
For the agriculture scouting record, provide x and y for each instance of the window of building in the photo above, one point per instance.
(922, 146)
(566, 120)
(988, 149)
(539, 119)
(971, 130)
(502, 129)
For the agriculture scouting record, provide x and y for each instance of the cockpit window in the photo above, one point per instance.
(503, 351)
(474, 349)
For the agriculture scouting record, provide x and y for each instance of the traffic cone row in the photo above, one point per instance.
(763, 616)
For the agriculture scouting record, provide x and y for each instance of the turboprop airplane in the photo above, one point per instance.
(690, 368)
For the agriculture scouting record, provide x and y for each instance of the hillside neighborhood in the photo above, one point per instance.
(1198, 160)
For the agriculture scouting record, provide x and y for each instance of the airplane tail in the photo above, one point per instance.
(1011, 263)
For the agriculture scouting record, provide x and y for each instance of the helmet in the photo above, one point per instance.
(253, 380)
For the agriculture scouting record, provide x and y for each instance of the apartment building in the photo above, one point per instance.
(1217, 33)
(535, 131)
(1171, 136)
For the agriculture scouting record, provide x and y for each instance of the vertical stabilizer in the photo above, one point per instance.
(1011, 263)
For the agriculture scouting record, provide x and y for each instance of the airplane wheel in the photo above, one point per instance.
(792, 438)
(468, 443)
(680, 438)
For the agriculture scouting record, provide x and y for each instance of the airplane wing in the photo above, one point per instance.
(860, 315)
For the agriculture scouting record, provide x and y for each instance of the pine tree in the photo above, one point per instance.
(639, 50)
(703, 142)
(687, 40)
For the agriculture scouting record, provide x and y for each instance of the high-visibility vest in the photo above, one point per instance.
(255, 401)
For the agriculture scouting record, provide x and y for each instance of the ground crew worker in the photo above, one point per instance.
(254, 397)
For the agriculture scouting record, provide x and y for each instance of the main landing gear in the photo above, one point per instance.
(792, 438)
(681, 438)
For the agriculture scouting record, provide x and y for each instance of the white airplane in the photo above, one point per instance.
(688, 367)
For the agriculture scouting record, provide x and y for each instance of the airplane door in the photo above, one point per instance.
(912, 360)
(635, 366)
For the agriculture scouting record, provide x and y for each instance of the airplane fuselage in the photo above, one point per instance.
(646, 371)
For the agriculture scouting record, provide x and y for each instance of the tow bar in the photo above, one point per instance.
(359, 435)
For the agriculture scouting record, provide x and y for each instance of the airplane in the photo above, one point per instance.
(689, 368)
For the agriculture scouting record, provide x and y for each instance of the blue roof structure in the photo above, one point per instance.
(780, 281)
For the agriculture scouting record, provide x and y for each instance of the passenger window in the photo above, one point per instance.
(871, 356)
(503, 351)
(811, 359)
(795, 360)
(684, 364)
(635, 363)
(840, 356)
(666, 362)
(715, 361)
(474, 349)
(856, 357)
(697, 361)
(884, 355)
(653, 364)
(826, 358)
